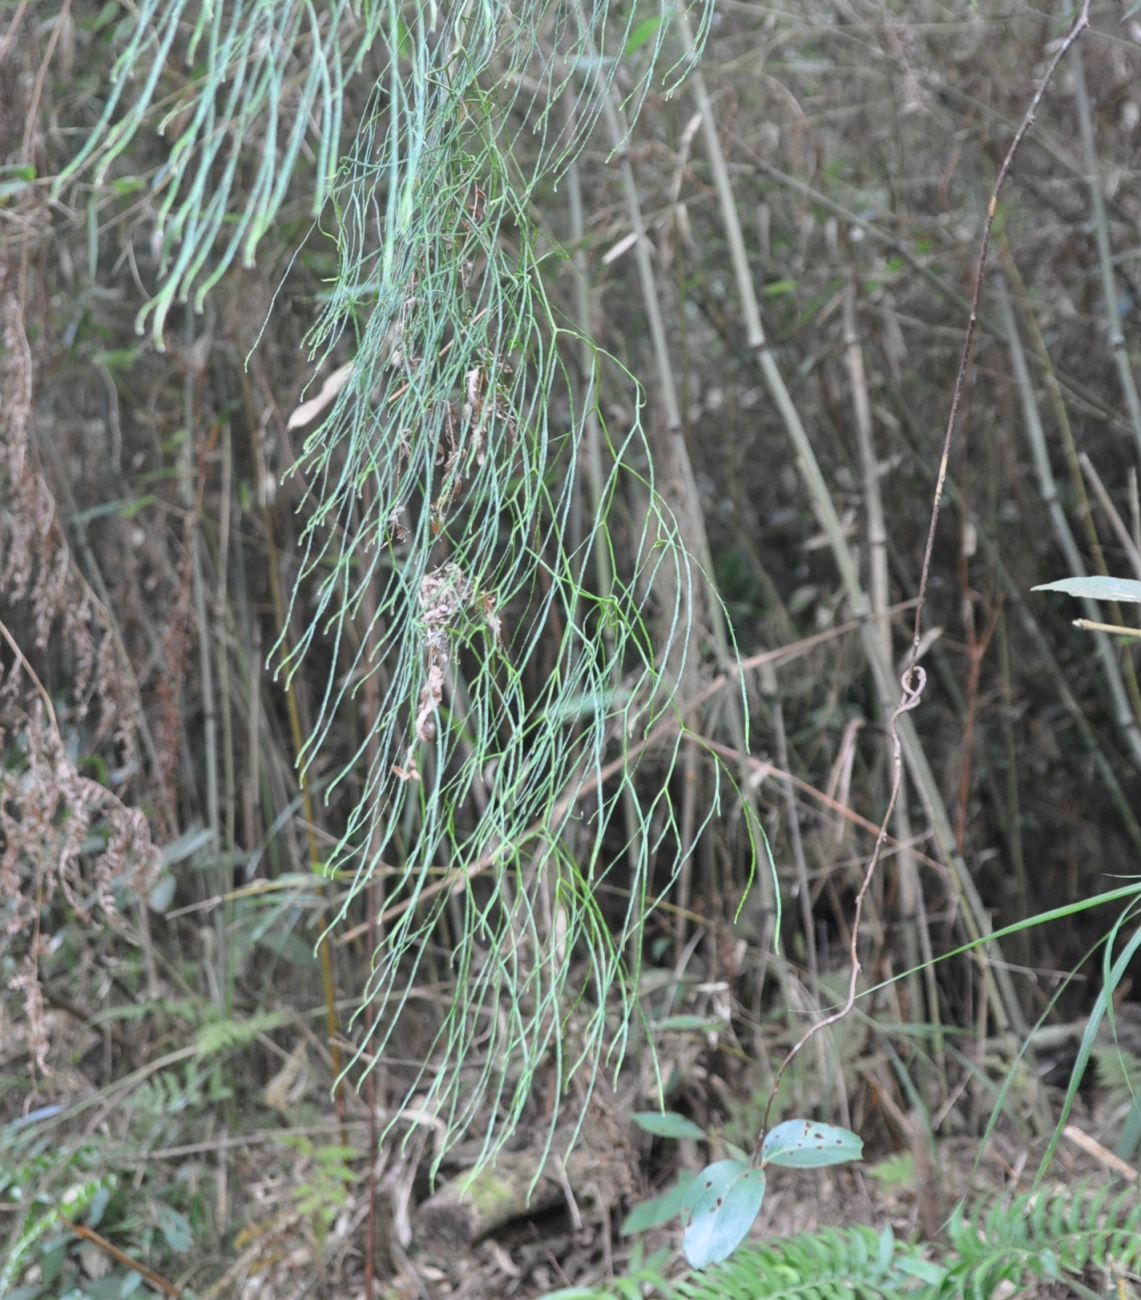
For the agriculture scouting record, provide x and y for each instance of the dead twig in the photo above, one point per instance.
(914, 678)
(121, 1257)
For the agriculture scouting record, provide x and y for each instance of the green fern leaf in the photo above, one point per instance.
(226, 1035)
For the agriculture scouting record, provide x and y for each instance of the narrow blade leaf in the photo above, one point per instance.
(1127, 589)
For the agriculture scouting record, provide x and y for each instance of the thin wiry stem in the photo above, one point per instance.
(914, 677)
(998, 985)
(446, 416)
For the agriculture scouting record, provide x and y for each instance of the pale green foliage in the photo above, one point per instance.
(1044, 1237)
(42, 1217)
(1004, 1246)
(271, 86)
(833, 1264)
(227, 1035)
(325, 1188)
(440, 490)
(720, 1204)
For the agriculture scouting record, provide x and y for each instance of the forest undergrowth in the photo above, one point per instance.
(465, 480)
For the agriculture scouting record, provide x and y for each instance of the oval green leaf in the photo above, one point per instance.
(653, 1213)
(645, 31)
(804, 1144)
(668, 1125)
(721, 1207)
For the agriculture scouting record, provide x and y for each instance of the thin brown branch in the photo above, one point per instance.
(121, 1257)
(914, 678)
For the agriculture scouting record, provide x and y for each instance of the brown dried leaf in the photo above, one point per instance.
(308, 411)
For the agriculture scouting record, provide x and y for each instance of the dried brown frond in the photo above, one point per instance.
(62, 834)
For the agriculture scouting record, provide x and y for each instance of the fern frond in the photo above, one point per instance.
(168, 1093)
(225, 1035)
(1043, 1236)
(833, 1264)
(1005, 1246)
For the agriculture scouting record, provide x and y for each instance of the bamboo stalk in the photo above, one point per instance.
(1104, 256)
(308, 811)
(995, 976)
(193, 490)
(687, 499)
(1048, 489)
(1105, 501)
(916, 935)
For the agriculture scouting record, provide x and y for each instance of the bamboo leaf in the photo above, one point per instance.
(1096, 588)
